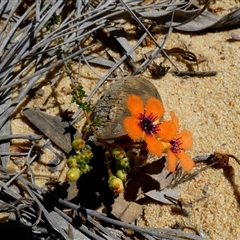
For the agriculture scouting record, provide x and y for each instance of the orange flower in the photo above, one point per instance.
(177, 147)
(145, 123)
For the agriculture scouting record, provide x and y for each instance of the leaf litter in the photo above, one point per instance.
(24, 43)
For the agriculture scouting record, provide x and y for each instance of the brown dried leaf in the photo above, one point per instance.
(146, 179)
(125, 210)
(150, 177)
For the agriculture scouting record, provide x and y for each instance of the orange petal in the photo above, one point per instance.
(186, 139)
(167, 130)
(154, 146)
(172, 161)
(135, 105)
(174, 119)
(186, 161)
(132, 128)
(155, 107)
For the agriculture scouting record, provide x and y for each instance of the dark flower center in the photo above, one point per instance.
(147, 123)
(176, 145)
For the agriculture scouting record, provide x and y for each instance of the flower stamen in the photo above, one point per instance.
(176, 143)
(147, 123)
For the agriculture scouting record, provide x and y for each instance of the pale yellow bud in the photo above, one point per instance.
(115, 184)
(78, 144)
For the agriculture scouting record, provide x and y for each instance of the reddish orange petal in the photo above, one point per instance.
(132, 128)
(174, 119)
(135, 105)
(155, 107)
(186, 139)
(154, 146)
(172, 161)
(167, 130)
(186, 161)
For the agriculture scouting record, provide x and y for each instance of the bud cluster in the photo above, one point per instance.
(78, 163)
(124, 163)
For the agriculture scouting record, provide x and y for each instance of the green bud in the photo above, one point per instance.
(122, 175)
(78, 144)
(118, 153)
(84, 167)
(115, 184)
(72, 162)
(87, 155)
(73, 174)
(123, 164)
(79, 158)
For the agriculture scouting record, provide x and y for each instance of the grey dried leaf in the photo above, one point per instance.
(99, 61)
(159, 195)
(235, 37)
(209, 20)
(121, 40)
(204, 21)
(52, 127)
(5, 146)
(163, 177)
(72, 232)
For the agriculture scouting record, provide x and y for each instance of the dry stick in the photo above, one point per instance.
(35, 77)
(98, 136)
(44, 70)
(29, 161)
(189, 177)
(148, 33)
(82, 228)
(52, 221)
(103, 217)
(31, 137)
(201, 158)
(102, 80)
(13, 154)
(100, 227)
(234, 157)
(196, 74)
(103, 142)
(7, 207)
(22, 170)
(25, 199)
(62, 30)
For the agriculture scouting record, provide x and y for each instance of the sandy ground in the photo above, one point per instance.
(209, 107)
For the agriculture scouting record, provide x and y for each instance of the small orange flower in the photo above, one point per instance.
(176, 150)
(145, 123)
